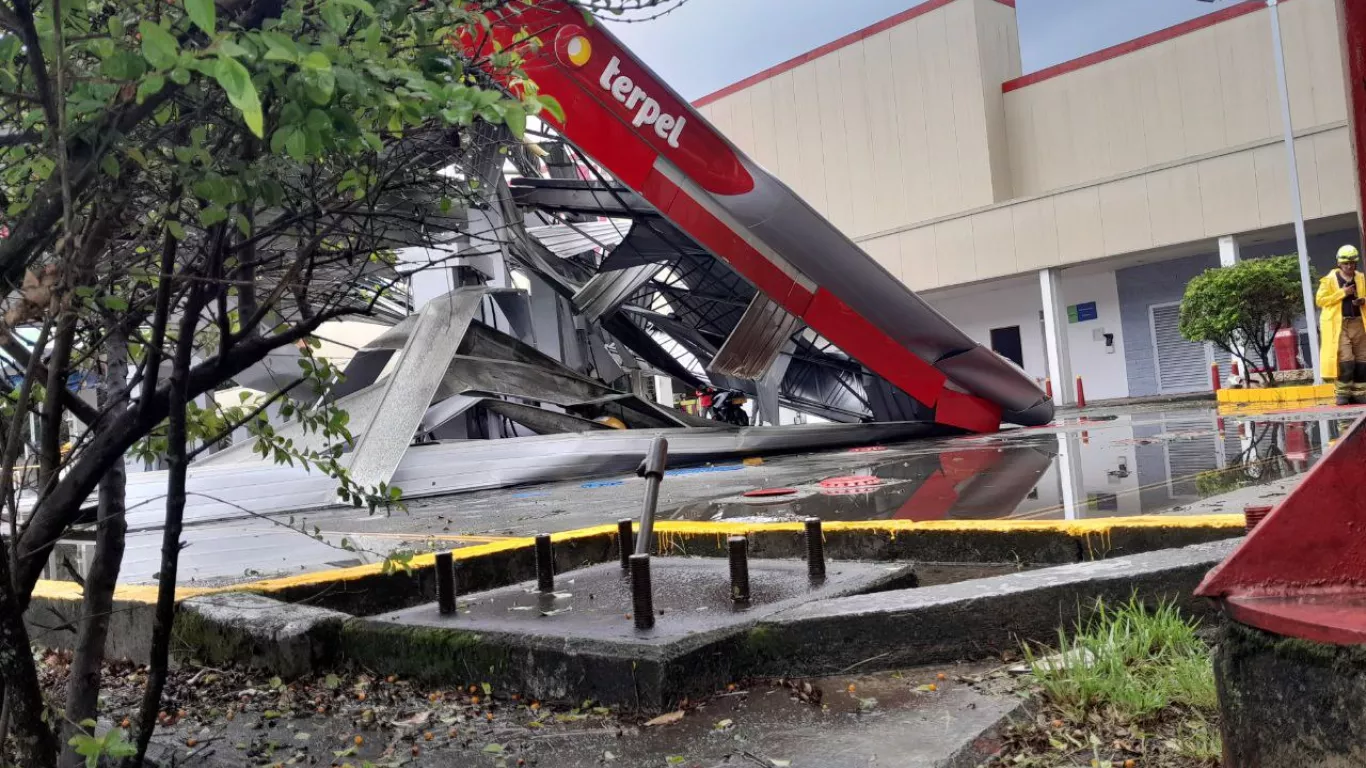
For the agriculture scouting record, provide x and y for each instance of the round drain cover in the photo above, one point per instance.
(761, 493)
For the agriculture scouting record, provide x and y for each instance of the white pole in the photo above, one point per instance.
(1301, 242)
(1055, 336)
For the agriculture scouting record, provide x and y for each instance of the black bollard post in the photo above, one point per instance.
(815, 549)
(642, 593)
(626, 542)
(445, 583)
(739, 568)
(545, 563)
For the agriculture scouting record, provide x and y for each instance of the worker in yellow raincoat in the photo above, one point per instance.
(1342, 356)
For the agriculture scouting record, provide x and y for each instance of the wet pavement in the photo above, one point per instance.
(1112, 462)
(921, 717)
(942, 715)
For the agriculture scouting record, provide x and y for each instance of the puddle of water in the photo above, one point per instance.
(1113, 467)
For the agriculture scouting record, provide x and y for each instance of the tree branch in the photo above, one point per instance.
(62, 507)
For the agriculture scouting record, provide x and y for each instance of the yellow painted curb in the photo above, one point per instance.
(126, 593)
(667, 530)
(1276, 395)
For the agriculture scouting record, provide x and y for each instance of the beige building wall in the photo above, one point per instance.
(903, 125)
(1210, 90)
(1224, 193)
(905, 140)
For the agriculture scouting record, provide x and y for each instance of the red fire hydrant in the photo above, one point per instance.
(1287, 350)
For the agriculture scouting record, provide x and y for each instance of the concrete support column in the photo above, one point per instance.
(1228, 251)
(1055, 336)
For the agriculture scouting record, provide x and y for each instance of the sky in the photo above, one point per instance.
(705, 45)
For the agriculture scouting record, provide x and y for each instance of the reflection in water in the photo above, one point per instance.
(1101, 470)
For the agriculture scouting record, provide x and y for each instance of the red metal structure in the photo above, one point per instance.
(653, 142)
(1302, 572)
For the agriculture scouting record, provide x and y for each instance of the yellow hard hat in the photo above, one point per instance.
(1348, 253)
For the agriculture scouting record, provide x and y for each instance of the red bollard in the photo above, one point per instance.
(1048, 388)
(1233, 366)
(1214, 375)
(1081, 394)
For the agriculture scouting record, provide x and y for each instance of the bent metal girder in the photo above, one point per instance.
(620, 114)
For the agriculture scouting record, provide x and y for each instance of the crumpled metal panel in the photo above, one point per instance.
(770, 386)
(566, 240)
(234, 492)
(607, 291)
(363, 401)
(504, 377)
(449, 467)
(578, 196)
(542, 421)
(383, 434)
(653, 241)
(386, 415)
(891, 404)
(445, 410)
(757, 341)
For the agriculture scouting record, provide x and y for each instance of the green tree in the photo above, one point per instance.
(190, 185)
(1241, 308)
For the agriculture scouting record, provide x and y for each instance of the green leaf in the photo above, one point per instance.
(158, 47)
(110, 166)
(212, 215)
(552, 105)
(150, 86)
(229, 47)
(515, 117)
(123, 66)
(317, 61)
(319, 84)
(280, 47)
(335, 16)
(178, 232)
(114, 303)
(493, 749)
(296, 144)
(203, 14)
(236, 82)
(180, 76)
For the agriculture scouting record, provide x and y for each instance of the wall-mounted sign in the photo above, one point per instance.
(1080, 313)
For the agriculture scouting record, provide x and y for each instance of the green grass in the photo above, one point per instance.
(1128, 662)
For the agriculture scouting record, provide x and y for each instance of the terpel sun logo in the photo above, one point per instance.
(575, 50)
(578, 50)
